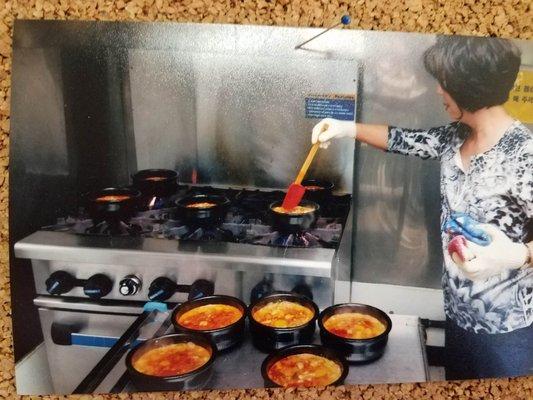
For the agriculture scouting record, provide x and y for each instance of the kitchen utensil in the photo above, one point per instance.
(224, 338)
(315, 349)
(113, 204)
(317, 190)
(203, 216)
(156, 182)
(355, 350)
(287, 222)
(195, 379)
(296, 191)
(268, 338)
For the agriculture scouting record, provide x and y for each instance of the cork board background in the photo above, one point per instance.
(505, 18)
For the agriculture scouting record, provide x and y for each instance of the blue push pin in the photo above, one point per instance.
(345, 20)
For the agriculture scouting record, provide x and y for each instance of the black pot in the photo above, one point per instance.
(164, 187)
(113, 210)
(224, 338)
(209, 216)
(356, 350)
(290, 223)
(309, 349)
(317, 195)
(268, 338)
(193, 380)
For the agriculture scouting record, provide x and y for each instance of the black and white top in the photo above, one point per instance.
(497, 189)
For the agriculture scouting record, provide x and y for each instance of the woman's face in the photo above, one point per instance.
(450, 105)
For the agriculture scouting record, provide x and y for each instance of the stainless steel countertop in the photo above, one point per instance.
(404, 360)
(45, 245)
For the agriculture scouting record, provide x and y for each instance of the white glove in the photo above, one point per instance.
(330, 128)
(481, 262)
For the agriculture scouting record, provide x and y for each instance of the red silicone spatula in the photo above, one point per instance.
(296, 191)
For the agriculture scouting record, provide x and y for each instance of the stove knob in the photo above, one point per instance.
(161, 289)
(98, 286)
(260, 290)
(129, 286)
(60, 282)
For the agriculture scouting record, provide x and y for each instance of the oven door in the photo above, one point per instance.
(78, 333)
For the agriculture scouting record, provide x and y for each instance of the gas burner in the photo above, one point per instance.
(114, 228)
(160, 203)
(326, 234)
(70, 224)
(247, 221)
(162, 214)
(208, 234)
(297, 239)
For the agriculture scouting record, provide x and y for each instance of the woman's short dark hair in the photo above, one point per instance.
(477, 72)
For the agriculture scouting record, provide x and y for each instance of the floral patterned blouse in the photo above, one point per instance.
(497, 189)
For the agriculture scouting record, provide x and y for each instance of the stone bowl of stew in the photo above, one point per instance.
(304, 366)
(203, 210)
(220, 318)
(171, 362)
(156, 182)
(282, 319)
(359, 331)
(317, 190)
(299, 219)
(113, 204)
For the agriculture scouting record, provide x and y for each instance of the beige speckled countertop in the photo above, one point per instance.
(508, 18)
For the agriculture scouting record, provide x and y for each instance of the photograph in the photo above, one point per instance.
(218, 206)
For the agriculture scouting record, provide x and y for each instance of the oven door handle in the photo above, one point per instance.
(108, 361)
(70, 335)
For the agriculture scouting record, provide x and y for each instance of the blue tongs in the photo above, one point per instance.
(463, 224)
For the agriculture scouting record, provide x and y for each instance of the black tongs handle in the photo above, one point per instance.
(115, 353)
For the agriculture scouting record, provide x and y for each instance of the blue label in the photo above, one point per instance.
(97, 341)
(337, 107)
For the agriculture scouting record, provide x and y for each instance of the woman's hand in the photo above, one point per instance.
(330, 128)
(481, 262)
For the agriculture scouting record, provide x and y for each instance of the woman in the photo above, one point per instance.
(487, 176)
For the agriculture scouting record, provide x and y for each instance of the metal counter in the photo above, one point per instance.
(404, 360)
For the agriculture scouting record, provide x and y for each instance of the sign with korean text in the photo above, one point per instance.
(520, 103)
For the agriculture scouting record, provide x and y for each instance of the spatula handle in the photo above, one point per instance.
(307, 163)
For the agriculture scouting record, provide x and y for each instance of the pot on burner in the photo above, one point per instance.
(203, 210)
(317, 190)
(294, 222)
(113, 204)
(156, 182)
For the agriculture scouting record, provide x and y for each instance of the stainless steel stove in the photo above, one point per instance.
(92, 279)
(240, 256)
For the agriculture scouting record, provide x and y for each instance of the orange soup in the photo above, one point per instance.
(174, 359)
(298, 210)
(155, 178)
(210, 316)
(283, 314)
(113, 198)
(354, 325)
(203, 204)
(304, 370)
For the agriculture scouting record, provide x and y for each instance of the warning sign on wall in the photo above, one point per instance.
(336, 106)
(520, 103)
